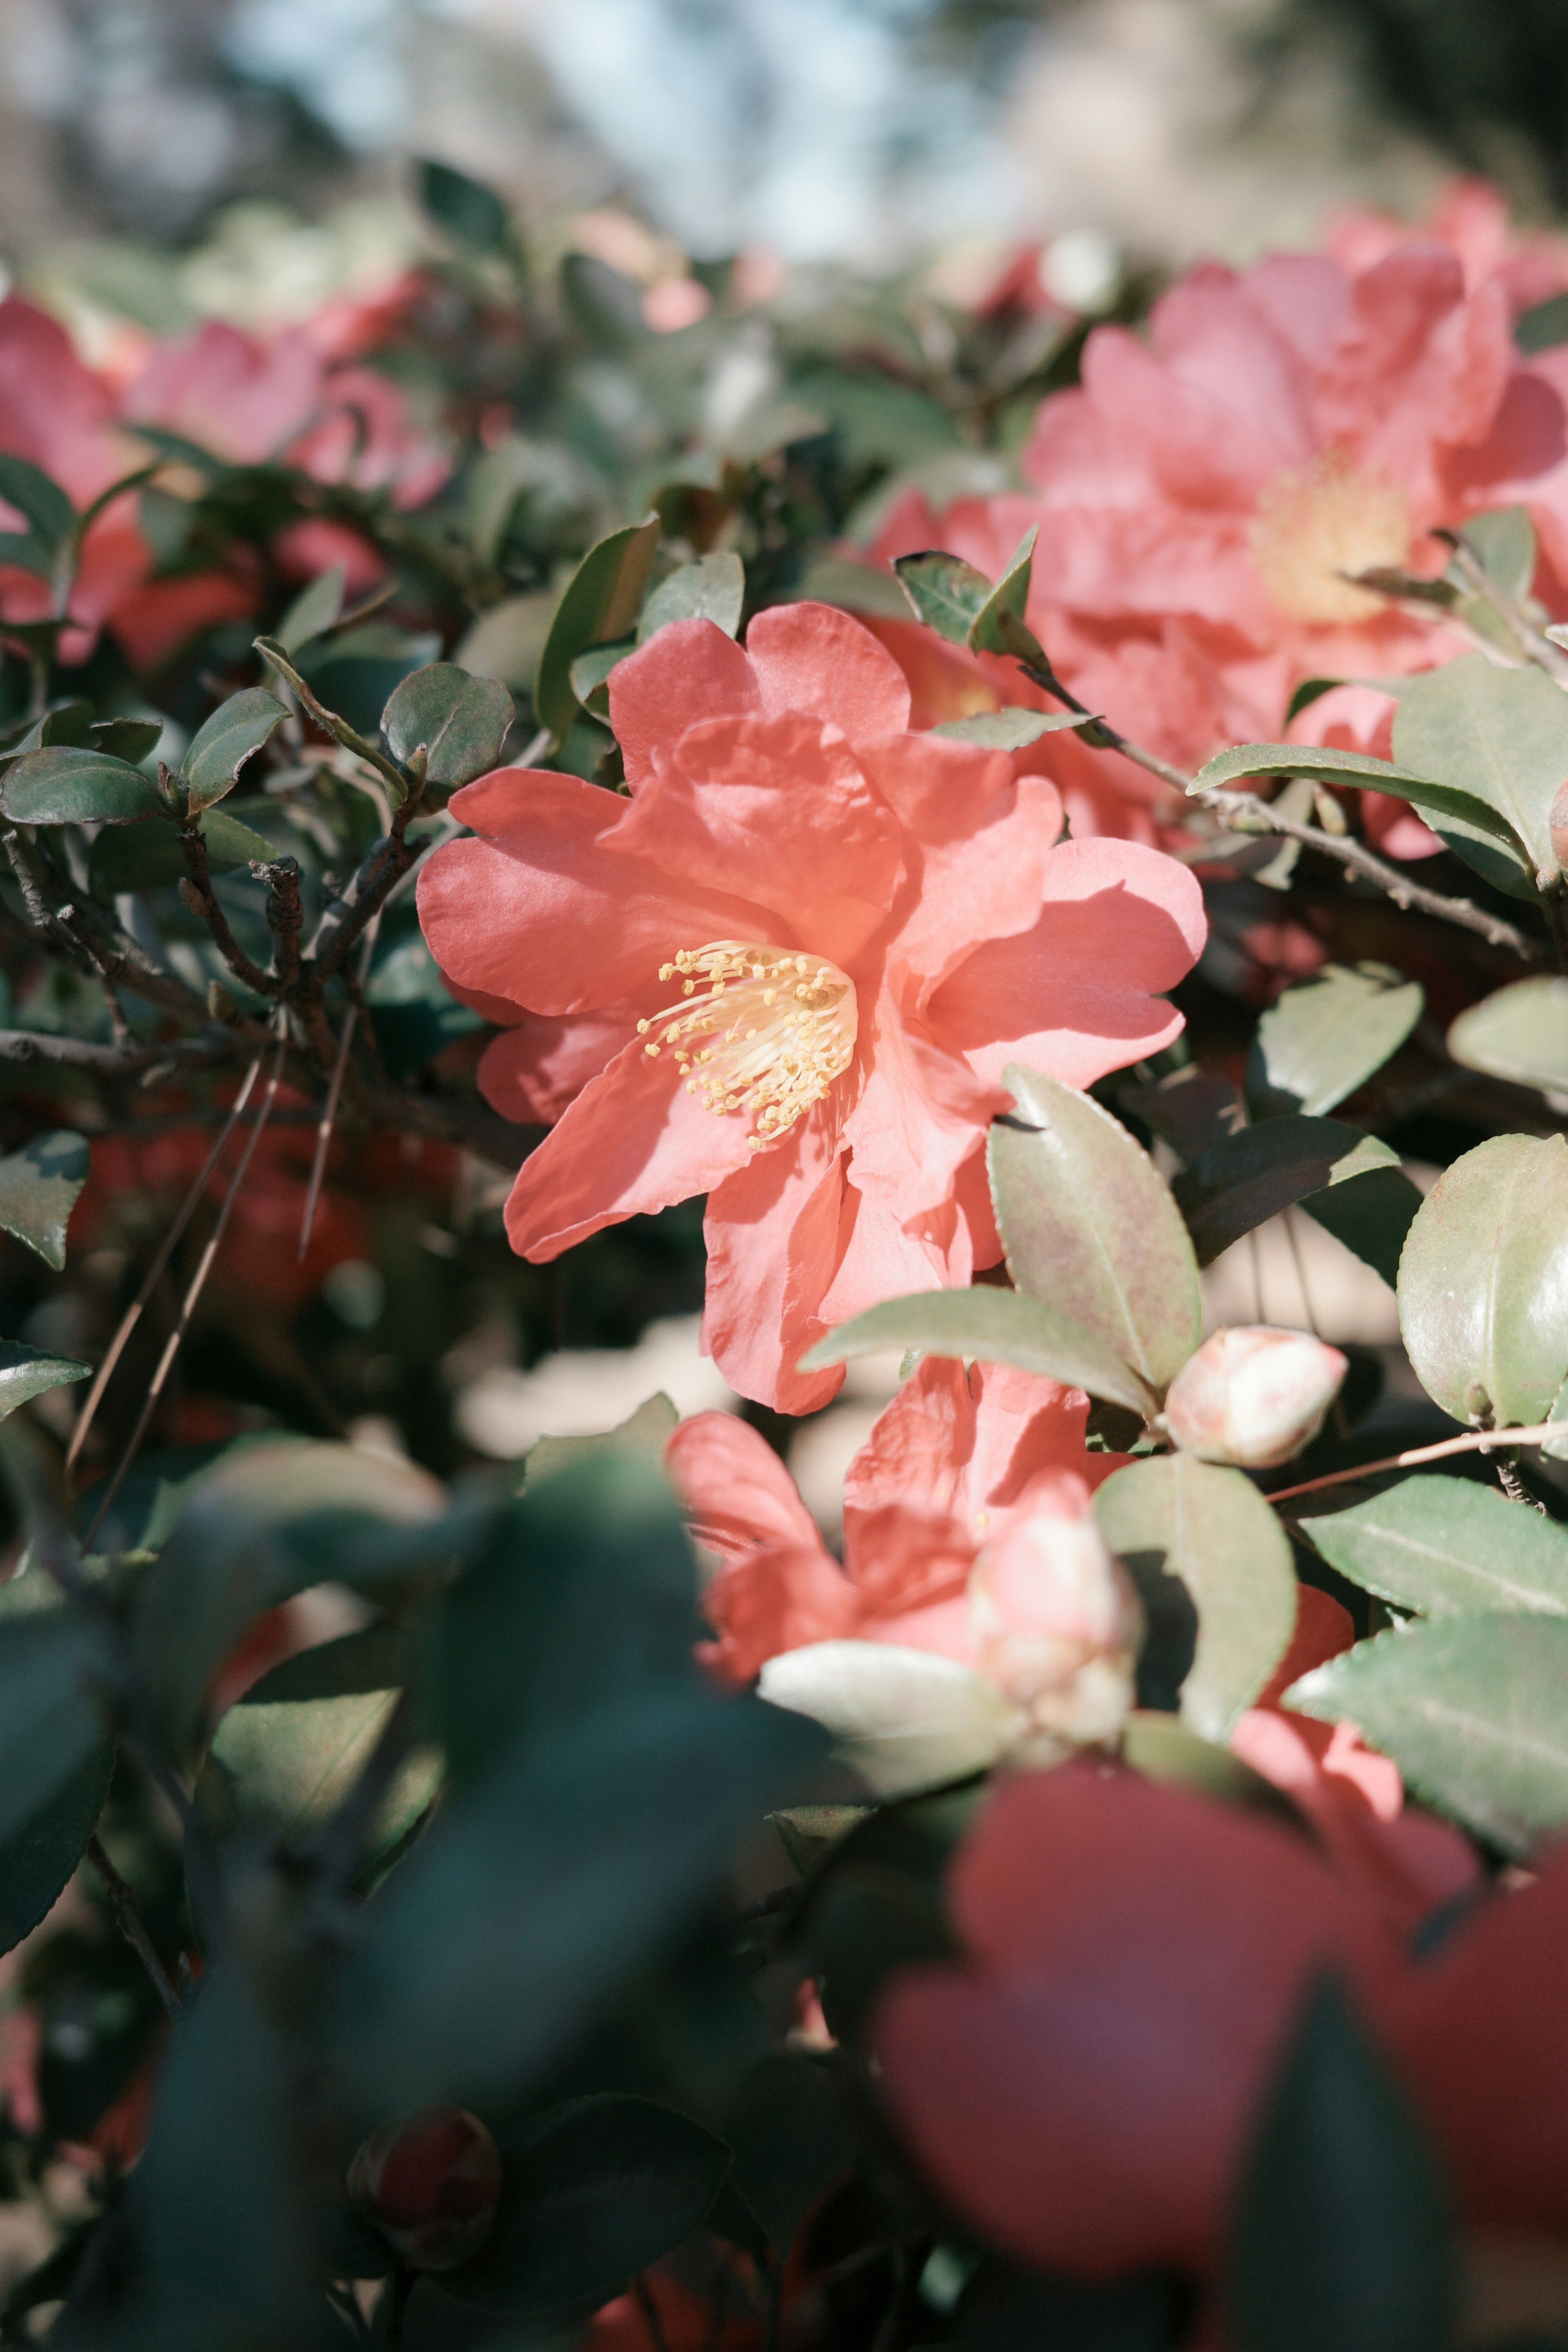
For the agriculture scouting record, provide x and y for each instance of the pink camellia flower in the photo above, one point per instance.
(1253, 1395)
(431, 2185)
(1083, 2088)
(1471, 219)
(788, 973)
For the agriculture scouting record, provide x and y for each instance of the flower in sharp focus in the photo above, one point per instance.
(834, 933)
(1253, 1395)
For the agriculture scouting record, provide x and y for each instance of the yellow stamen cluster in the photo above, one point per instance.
(1318, 529)
(767, 1034)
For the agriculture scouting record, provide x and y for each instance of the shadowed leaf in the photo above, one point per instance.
(38, 1188)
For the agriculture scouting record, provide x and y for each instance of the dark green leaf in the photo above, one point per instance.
(66, 722)
(1192, 1111)
(792, 2136)
(469, 212)
(126, 739)
(1503, 539)
(1325, 1036)
(946, 593)
(1483, 1282)
(863, 1923)
(1437, 798)
(49, 513)
(1242, 1182)
(1010, 729)
(1447, 1548)
(460, 720)
(353, 671)
(27, 1372)
(218, 750)
(37, 1860)
(593, 2191)
(998, 626)
(149, 857)
(52, 1664)
(66, 786)
(1470, 1708)
(573, 1867)
(852, 587)
(711, 589)
(590, 676)
(1343, 2234)
(1000, 1326)
(1372, 1216)
(38, 1188)
(1498, 734)
(317, 607)
(1089, 1224)
(413, 1011)
(1176, 1516)
(1520, 1033)
(600, 605)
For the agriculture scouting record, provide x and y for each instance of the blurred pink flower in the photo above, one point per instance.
(833, 933)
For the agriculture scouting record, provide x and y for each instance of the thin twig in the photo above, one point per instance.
(285, 916)
(330, 1108)
(1474, 1441)
(133, 1313)
(118, 1061)
(133, 1927)
(198, 885)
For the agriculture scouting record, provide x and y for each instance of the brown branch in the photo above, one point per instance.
(133, 1927)
(1474, 1441)
(367, 893)
(199, 895)
(285, 917)
(201, 1053)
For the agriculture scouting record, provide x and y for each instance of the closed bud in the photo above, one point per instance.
(1055, 1623)
(431, 2187)
(1558, 822)
(220, 1003)
(190, 897)
(1253, 1396)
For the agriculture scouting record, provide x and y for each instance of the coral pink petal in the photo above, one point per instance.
(811, 657)
(735, 1490)
(534, 1070)
(775, 1599)
(633, 1142)
(917, 1115)
(772, 1238)
(686, 671)
(1323, 1629)
(879, 1256)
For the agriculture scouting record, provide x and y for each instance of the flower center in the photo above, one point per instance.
(1316, 530)
(767, 1034)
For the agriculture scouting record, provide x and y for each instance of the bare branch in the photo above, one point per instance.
(1474, 1441)
(197, 892)
(119, 1061)
(285, 917)
(133, 1927)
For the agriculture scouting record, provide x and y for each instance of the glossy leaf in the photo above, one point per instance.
(600, 605)
(64, 785)
(470, 213)
(67, 721)
(238, 728)
(38, 1190)
(37, 1860)
(1501, 734)
(1191, 1110)
(1447, 1548)
(1483, 1282)
(903, 1718)
(1240, 1183)
(1323, 1036)
(1470, 1708)
(999, 1326)
(1343, 2234)
(1435, 797)
(1009, 730)
(52, 1666)
(947, 594)
(711, 589)
(1209, 1528)
(792, 2136)
(149, 857)
(126, 739)
(576, 1865)
(998, 626)
(27, 1372)
(1089, 1224)
(317, 607)
(592, 2192)
(462, 720)
(1520, 1033)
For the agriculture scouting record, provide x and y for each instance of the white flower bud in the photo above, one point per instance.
(1253, 1396)
(1057, 1628)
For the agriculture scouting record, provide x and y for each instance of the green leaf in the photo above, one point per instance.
(507, 641)
(1503, 539)
(286, 1753)
(999, 1326)
(592, 2192)
(1242, 1182)
(1324, 1036)
(27, 1372)
(66, 786)
(573, 1867)
(261, 1525)
(1372, 1216)
(998, 627)
(218, 750)
(1176, 1516)
(711, 589)
(852, 587)
(792, 2136)
(1520, 1033)
(1483, 1282)
(903, 1718)
(590, 676)
(1010, 729)
(1499, 734)
(1192, 1109)
(468, 212)
(67, 721)
(126, 739)
(600, 605)
(317, 607)
(1447, 1548)
(1089, 1224)
(1470, 1708)
(52, 1664)
(38, 1860)
(1343, 2234)
(461, 721)
(50, 515)
(1438, 798)
(946, 593)
(642, 1435)
(38, 1190)
(149, 857)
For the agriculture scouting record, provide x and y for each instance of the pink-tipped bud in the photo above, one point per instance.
(1055, 1623)
(1557, 821)
(1253, 1396)
(431, 2185)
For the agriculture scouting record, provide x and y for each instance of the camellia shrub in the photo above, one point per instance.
(1001, 811)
